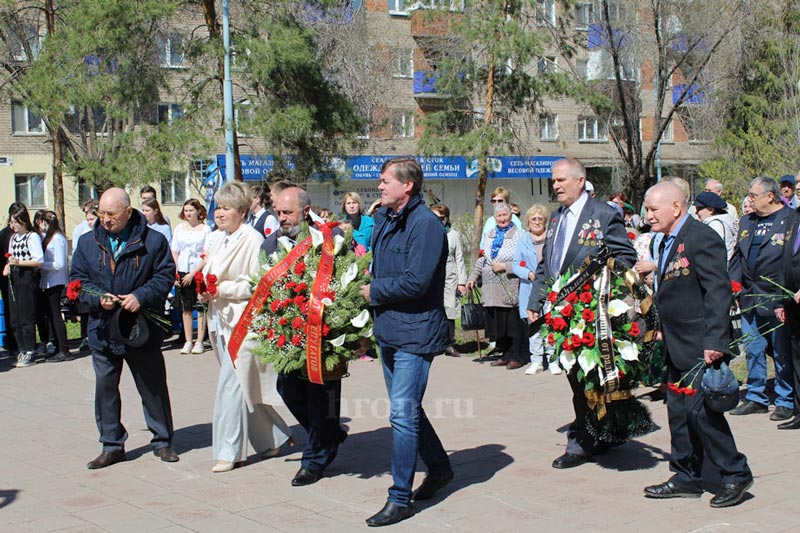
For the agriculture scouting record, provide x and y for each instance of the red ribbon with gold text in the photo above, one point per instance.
(316, 307)
(260, 296)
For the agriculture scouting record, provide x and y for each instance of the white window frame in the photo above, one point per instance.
(398, 7)
(547, 65)
(28, 119)
(669, 135)
(86, 192)
(27, 196)
(548, 127)
(546, 13)
(171, 185)
(585, 15)
(166, 46)
(403, 125)
(592, 129)
(402, 62)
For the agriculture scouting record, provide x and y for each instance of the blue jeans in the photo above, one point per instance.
(754, 329)
(406, 376)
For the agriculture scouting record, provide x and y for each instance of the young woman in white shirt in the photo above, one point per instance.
(53, 276)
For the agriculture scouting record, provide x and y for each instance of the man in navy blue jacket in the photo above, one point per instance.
(406, 293)
(130, 267)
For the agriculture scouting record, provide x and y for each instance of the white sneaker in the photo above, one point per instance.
(555, 369)
(187, 348)
(198, 348)
(534, 368)
(24, 359)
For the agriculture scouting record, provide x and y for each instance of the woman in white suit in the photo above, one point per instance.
(245, 393)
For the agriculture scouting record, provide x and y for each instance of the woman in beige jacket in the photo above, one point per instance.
(245, 393)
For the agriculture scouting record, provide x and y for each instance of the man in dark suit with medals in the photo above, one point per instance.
(579, 229)
(757, 264)
(693, 299)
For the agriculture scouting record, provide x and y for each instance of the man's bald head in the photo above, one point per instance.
(291, 207)
(114, 209)
(664, 205)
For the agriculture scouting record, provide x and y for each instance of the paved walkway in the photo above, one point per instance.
(502, 429)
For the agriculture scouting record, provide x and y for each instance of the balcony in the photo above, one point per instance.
(428, 24)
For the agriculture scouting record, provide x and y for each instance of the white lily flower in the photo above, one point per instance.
(556, 285)
(338, 341)
(286, 243)
(338, 242)
(361, 319)
(349, 275)
(273, 258)
(627, 350)
(586, 363)
(579, 328)
(567, 360)
(596, 284)
(316, 236)
(326, 301)
(617, 308)
(368, 332)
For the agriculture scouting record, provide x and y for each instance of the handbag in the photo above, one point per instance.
(473, 315)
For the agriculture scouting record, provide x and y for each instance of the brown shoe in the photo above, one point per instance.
(499, 362)
(106, 459)
(513, 365)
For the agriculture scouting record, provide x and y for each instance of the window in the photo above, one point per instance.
(169, 112)
(17, 43)
(170, 51)
(667, 135)
(403, 63)
(582, 69)
(546, 13)
(174, 188)
(86, 192)
(548, 127)
(403, 124)
(30, 189)
(585, 14)
(547, 65)
(398, 7)
(242, 118)
(24, 121)
(404, 6)
(592, 129)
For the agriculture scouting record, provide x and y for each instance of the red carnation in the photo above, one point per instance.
(689, 391)
(587, 287)
(274, 306)
(523, 264)
(199, 283)
(635, 331)
(8, 254)
(299, 300)
(177, 276)
(267, 231)
(572, 298)
(559, 324)
(281, 341)
(297, 339)
(736, 287)
(586, 297)
(291, 284)
(202, 256)
(548, 318)
(286, 303)
(674, 388)
(300, 287)
(566, 346)
(299, 268)
(552, 297)
(567, 310)
(304, 308)
(211, 279)
(325, 330)
(631, 235)
(576, 341)
(551, 339)
(480, 253)
(271, 334)
(588, 338)
(73, 290)
(297, 323)
(283, 321)
(587, 315)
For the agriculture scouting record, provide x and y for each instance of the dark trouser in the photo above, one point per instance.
(793, 323)
(10, 341)
(43, 324)
(316, 408)
(579, 441)
(52, 310)
(24, 284)
(697, 432)
(150, 376)
(451, 331)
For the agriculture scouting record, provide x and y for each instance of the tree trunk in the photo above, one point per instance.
(483, 176)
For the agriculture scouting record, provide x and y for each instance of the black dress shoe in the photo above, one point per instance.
(106, 459)
(781, 413)
(569, 460)
(390, 514)
(166, 454)
(306, 476)
(748, 407)
(430, 485)
(668, 489)
(451, 352)
(731, 494)
(791, 424)
(499, 362)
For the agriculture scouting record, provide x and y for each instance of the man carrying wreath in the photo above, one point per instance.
(579, 229)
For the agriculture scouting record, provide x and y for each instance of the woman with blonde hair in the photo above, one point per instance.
(246, 392)
(353, 209)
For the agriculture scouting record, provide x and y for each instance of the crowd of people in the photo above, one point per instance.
(127, 261)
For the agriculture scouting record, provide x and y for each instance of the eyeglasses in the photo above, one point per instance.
(496, 201)
(754, 195)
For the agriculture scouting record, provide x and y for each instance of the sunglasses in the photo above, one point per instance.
(498, 201)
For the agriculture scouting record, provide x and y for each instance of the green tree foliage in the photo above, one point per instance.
(761, 134)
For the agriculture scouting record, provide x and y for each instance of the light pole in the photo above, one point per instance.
(227, 95)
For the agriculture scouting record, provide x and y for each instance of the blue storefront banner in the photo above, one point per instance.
(368, 167)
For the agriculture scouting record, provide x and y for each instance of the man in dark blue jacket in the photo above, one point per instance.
(124, 265)
(406, 294)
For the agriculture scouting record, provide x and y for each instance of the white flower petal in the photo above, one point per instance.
(326, 301)
(617, 307)
(586, 363)
(338, 341)
(361, 319)
(349, 275)
(567, 360)
(579, 328)
(627, 350)
(286, 243)
(316, 236)
(596, 284)
(338, 242)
